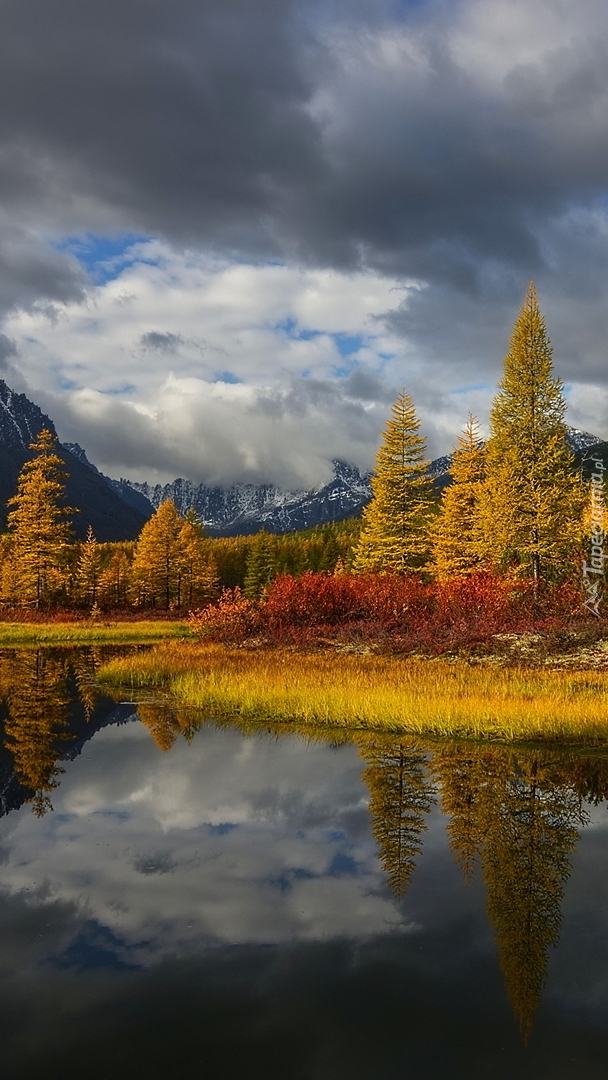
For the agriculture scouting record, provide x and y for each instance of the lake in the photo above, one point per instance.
(181, 896)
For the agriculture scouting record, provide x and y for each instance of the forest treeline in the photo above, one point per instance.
(517, 511)
(172, 566)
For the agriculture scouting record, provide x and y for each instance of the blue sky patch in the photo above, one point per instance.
(103, 257)
(227, 377)
(95, 946)
(347, 344)
(468, 389)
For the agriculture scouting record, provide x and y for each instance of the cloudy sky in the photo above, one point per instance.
(231, 232)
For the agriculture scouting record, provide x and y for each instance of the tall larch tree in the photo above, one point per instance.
(156, 572)
(394, 536)
(40, 525)
(456, 533)
(198, 571)
(533, 499)
(88, 570)
(114, 580)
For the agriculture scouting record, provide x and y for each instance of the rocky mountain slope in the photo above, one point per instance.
(111, 517)
(247, 508)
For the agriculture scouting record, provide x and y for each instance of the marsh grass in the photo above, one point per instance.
(419, 697)
(83, 633)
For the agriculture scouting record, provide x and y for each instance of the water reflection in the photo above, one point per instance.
(254, 838)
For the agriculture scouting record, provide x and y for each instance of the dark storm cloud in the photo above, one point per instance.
(166, 342)
(204, 121)
(462, 145)
(8, 349)
(32, 272)
(182, 117)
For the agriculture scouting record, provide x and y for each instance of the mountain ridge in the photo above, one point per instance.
(99, 505)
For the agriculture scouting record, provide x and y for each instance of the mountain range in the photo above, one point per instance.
(117, 509)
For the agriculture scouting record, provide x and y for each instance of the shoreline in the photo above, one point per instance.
(438, 698)
(15, 634)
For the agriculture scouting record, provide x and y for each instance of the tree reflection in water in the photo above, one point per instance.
(38, 688)
(517, 815)
(401, 796)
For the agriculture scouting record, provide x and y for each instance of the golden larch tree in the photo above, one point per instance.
(40, 525)
(114, 580)
(199, 581)
(156, 573)
(455, 533)
(394, 536)
(533, 499)
(88, 570)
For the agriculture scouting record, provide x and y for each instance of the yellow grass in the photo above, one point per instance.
(423, 697)
(70, 633)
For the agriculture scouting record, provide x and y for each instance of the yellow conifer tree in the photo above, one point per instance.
(394, 537)
(455, 536)
(114, 580)
(198, 571)
(40, 525)
(532, 501)
(156, 572)
(88, 570)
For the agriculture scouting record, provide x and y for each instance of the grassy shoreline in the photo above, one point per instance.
(381, 693)
(83, 633)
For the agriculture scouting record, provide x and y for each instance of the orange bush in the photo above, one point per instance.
(232, 619)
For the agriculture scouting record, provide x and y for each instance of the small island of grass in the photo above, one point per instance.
(432, 697)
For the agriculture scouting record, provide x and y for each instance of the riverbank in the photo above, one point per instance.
(421, 696)
(86, 633)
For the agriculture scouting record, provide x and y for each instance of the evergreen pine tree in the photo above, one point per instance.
(533, 500)
(455, 535)
(261, 566)
(395, 523)
(40, 525)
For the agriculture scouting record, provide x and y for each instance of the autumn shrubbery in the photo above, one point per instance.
(402, 611)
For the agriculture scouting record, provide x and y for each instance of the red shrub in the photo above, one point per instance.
(396, 603)
(231, 620)
(310, 600)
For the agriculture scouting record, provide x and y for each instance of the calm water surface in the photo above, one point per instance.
(182, 898)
